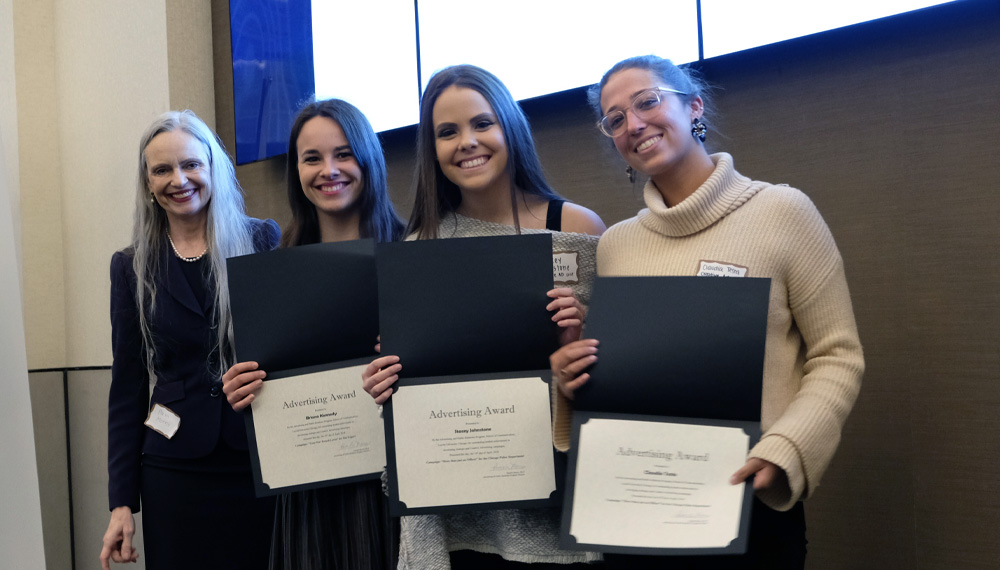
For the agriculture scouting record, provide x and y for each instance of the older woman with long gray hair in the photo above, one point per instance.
(182, 453)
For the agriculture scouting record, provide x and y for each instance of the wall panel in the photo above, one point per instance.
(48, 414)
(88, 421)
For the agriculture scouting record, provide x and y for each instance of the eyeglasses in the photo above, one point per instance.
(643, 105)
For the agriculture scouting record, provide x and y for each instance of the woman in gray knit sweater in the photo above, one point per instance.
(478, 174)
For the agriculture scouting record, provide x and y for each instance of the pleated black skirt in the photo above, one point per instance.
(335, 528)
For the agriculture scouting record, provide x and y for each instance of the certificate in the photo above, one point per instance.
(468, 426)
(460, 444)
(654, 485)
(314, 429)
(650, 474)
(308, 315)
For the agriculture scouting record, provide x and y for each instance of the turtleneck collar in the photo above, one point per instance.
(723, 192)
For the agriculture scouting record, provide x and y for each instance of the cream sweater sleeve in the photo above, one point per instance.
(803, 439)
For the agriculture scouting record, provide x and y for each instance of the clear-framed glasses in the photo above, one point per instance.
(643, 104)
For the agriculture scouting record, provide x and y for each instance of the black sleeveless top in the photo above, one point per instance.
(553, 217)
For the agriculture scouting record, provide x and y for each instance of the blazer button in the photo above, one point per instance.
(215, 391)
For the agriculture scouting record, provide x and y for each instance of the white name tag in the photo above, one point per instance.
(163, 421)
(719, 269)
(565, 269)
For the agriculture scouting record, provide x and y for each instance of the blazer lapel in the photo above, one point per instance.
(177, 285)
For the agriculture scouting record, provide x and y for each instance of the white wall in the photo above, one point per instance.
(21, 523)
(91, 75)
(8, 118)
(40, 181)
(111, 80)
(81, 80)
(21, 539)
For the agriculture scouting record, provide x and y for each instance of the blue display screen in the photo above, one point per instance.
(272, 72)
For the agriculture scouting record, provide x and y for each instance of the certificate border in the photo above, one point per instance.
(568, 541)
(399, 508)
(261, 489)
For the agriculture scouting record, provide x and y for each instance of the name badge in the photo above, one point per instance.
(163, 421)
(565, 268)
(719, 269)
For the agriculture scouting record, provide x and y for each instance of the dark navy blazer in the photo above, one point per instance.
(186, 382)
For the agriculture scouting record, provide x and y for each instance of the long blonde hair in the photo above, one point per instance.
(228, 233)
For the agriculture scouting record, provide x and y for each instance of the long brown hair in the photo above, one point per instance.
(435, 195)
(378, 217)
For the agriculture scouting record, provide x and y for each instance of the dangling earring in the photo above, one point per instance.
(630, 173)
(152, 198)
(698, 129)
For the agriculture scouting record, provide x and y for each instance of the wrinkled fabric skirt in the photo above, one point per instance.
(346, 527)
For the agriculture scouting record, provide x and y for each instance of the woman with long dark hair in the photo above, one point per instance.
(478, 175)
(338, 190)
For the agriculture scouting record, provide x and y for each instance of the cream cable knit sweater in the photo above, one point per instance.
(813, 361)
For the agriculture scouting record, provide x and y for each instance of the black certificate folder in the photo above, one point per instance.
(669, 413)
(467, 305)
(306, 305)
(309, 316)
(469, 424)
(691, 346)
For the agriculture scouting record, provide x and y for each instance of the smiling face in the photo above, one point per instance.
(662, 141)
(178, 174)
(469, 142)
(329, 172)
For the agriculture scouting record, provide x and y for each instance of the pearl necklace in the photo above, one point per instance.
(187, 259)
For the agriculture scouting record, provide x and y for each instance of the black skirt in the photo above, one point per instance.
(335, 528)
(202, 513)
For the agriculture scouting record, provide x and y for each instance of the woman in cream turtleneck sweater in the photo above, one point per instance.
(700, 211)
